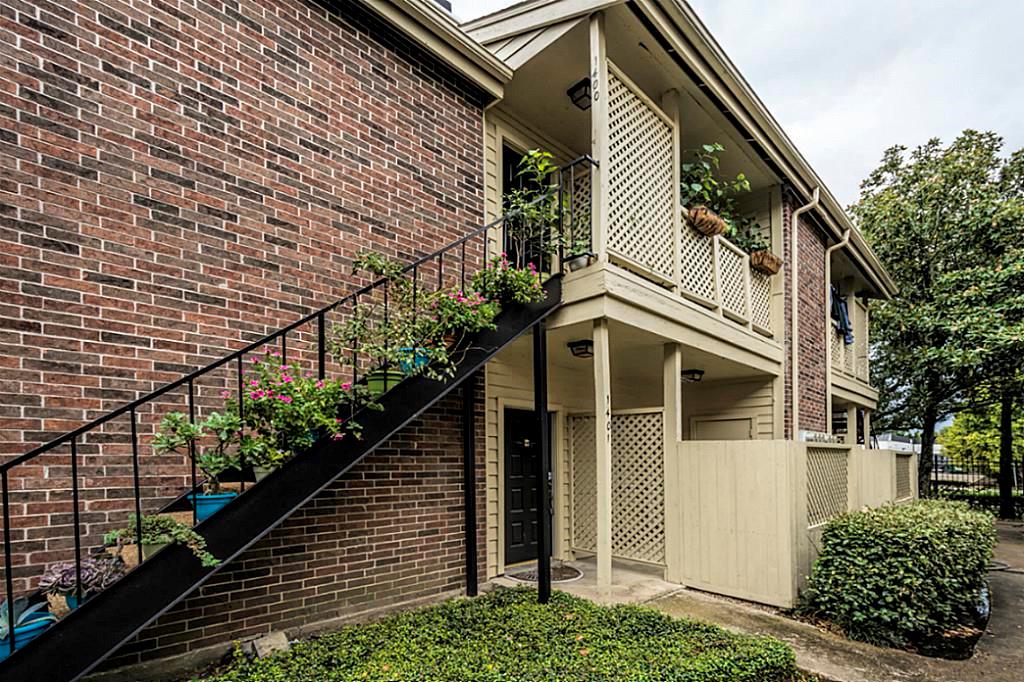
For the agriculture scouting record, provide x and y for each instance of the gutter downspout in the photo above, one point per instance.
(841, 244)
(794, 336)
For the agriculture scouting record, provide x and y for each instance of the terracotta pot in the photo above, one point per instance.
(766, 262)
(706, 221)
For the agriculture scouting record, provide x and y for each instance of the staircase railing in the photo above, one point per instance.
(71, 489)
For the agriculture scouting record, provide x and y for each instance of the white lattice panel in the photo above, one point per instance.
(584, 483)
(731, 266)
(696, 253)
(638, 486)
(578, 206)
(761, 299)
(640, 187)
(903, 489)
(827, 486)
(860, 342)
(838, 349)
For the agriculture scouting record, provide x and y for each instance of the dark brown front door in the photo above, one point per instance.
(522, 485)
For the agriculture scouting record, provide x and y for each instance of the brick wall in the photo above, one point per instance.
(390, 531)
(811, 268)
(180, 177)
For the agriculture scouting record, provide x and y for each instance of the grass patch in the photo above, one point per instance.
(506, 635)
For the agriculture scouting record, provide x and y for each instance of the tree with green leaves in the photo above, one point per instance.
(946, 223)
(974, 436)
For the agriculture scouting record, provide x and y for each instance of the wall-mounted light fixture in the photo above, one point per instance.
(580, 94)
(584, 348)
(692, 376)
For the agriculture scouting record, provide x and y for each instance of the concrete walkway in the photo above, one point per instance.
(999, 656)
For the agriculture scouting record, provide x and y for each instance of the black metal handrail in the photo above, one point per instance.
(570, 171)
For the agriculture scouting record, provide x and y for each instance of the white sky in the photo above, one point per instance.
(848, 79)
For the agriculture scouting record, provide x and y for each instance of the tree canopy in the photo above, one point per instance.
(973, 437)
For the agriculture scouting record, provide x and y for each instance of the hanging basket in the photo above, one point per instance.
(706, 221)
(765, 262)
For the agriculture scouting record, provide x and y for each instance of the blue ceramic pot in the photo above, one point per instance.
(23, 634)
(413, 359)
(207, 505)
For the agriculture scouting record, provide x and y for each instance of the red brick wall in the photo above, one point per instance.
(177, 178)
(811, 288)
(390, 531)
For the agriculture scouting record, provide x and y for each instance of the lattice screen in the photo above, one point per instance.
(638, 486)
(860, 342)
(584, 482)
(761, 299)
(731, 266)
(827, 491)
(696, 253)
(903, 489)
(838, 349)
(640, 188)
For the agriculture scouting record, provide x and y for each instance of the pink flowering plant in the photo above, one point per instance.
(285, 409)
(500, 281)
(458, 312)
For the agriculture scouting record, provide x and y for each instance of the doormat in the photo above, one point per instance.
(559, 574)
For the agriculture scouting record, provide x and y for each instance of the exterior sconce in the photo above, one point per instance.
(581, 349)
(692, 376)
(580, 94)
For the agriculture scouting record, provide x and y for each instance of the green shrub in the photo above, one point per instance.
(506, 635)
(899, 576)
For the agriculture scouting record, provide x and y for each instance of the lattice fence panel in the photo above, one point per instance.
(838, 350)
(696, 253)
(583, 436)
(640, 188)
(761, 299)
(827, 487)
(733, 284)
(638, 487)
(903, 489)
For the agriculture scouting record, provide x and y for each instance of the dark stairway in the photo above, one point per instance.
(78, 643)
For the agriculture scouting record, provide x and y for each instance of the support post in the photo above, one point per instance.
(469, 480)
(672, 392)
(603, 452)
(599, 142)
(540, 401)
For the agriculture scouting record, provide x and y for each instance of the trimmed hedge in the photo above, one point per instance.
(506, 635)
(900, 576)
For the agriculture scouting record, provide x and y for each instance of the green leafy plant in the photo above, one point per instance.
(287, 409)
(501, 281)
(23, 614)
(900, 575)
(459, 312)
(214, 442)
(161, 530)
(506, 635)
(533, 209)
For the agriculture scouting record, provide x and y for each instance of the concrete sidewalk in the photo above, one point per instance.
(999, 656)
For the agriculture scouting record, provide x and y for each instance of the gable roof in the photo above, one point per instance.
(520, 31)
(437, 31)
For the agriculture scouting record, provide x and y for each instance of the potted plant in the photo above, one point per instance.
(708, 198)
(30, 620)
(457, 312)
(577, 252)
(531, 211)
(60, 580)
(746, 235)
(500, 281)
(157, 532)
(214, 445)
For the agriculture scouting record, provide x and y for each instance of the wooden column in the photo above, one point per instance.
(672, 392)
(670, 103)
(599, 144)
(603, 453)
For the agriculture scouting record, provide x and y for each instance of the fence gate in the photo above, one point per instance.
(638, 486)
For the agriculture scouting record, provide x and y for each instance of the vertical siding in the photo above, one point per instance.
(732, 399)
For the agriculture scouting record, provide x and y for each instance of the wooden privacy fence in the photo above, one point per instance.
(744, 518)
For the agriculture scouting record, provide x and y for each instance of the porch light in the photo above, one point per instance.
(580, 94)
(583, 348)
(692, 376)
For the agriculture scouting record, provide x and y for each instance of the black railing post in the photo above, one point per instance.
(75, 517)
(8, 567)
(540, 402)
(321, 347)
(469, 480)
(191, 452)
(138, 492)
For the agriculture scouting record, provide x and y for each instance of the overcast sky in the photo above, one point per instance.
(848, 79)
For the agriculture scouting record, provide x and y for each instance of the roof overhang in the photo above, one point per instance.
(695, 49)
(434, 29)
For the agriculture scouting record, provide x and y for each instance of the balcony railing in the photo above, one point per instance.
(851, 360)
